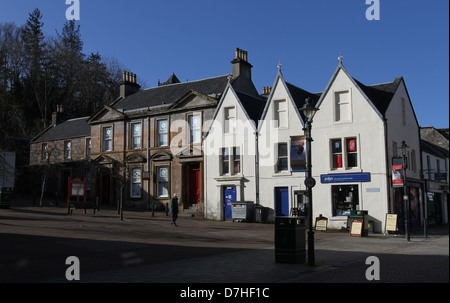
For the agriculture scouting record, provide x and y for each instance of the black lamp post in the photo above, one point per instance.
(404, 149)
(309, 111)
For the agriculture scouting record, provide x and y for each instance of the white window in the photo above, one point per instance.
(67, 149)
(162, 181)
(107, 139)
(194, 129)
(344, 156)
(163, 132)
(236, 160)
(282, 162)
(136, 134)
(225, 161)
(230, 120)
(136, 183)
(343, 108)
(280, 113)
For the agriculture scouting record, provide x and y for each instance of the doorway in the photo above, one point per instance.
(281, 201)
(229, 195)
(194, 185)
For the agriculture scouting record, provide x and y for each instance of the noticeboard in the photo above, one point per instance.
(321, 225)
(391, 222)
(356, 227)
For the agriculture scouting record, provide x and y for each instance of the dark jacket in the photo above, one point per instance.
(174, 205)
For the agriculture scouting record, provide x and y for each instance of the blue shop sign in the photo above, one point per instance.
(343, 178)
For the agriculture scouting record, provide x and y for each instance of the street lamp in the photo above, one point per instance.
(309, 111)
(404, 149)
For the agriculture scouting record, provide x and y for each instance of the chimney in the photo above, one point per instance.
(266, 90)
(57, 116)
(128, 85)
(241, 67)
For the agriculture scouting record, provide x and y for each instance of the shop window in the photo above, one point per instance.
(345, 198)
(162, 181)
(344, 156)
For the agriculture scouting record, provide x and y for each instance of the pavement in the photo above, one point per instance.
(36, 241)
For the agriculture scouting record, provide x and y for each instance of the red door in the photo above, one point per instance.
(194, 186)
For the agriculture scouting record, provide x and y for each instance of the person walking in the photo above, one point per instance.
(174, 209)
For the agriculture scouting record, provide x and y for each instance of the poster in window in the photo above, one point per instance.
(298, 153)
(351, 145)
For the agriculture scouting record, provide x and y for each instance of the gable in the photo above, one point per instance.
(107, 113)
(194, 100)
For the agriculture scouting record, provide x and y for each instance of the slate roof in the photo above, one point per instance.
(381, 94)
(168, 94)
(73, 128)
(299, 97)
(254, 106)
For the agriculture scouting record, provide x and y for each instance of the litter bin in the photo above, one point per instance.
(290, 240)
(242, 211)
(5, 197)
(360, 215)
(260, 214)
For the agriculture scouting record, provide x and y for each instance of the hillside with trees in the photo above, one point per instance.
(39, 73)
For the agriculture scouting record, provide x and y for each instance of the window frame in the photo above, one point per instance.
(285, 157)
(135, 136)
(105, 139)
(136, 182)
(67, 149)
(160, 134)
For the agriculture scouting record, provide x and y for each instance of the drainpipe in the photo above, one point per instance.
(257, 167)
(148, 162)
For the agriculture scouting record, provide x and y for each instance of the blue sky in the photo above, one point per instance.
(196, 39)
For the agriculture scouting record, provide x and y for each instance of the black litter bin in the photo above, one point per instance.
(290, 240)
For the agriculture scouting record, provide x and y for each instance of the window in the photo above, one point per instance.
(345, 198)
(136, 135)
(336, 151)
(343, 111)
(225, 159)
(344, 156)
(230, 120)
(194, 129)
(107, 139)
(44, 151)
(136, 183)
(88, 147)
(163, 131)
(236, 160)
(67, 149)
(162, 181)
(280, 113)
(282, 163)
(352, 153)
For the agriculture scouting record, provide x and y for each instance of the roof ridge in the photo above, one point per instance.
(181, 83)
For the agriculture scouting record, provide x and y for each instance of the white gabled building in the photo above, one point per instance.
(357, 132)
(282, 150)
(229, 149)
